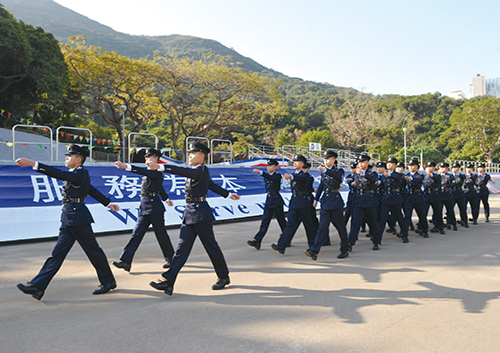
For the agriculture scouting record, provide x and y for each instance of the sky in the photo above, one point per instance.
(406, 47)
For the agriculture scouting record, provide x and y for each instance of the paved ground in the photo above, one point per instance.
(431, 295)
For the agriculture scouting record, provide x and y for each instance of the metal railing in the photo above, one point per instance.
(73, 128)
(213, 151)
(46, 128)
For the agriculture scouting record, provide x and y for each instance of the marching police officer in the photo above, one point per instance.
(415, 198)
(151, 211)
(75, 223)
(274, 202)
(197, 220)
(447, 197)
(392, 201)
(332, 206)
(352, 193)
(307, 168)
(365, 206)
(432, 194)
(299, 206)
(458, 193)
(483, 192)
(471, 191)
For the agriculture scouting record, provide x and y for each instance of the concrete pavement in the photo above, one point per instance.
(440, 294)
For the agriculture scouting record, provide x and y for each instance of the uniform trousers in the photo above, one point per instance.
(295, 217)
(267, 216)
(473, 201)
(395, 211)
(368, 214)
(461, 202)
(84, 235)
(450, 211)
(188, 235)
(484, 199)
(335, 217)
(142, 225)
(420, 209)
(437, 213)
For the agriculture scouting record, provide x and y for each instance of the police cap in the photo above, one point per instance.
(354, 165)
(307, 165)
(152, 152)
(271, 161)
(444, 165)
(481, 165)
(430, 164)
(299, 158)
(330, 153)
(381, 165)
(400, 165)
(469, 165)
(456, 165)
(392, 160)
(364, 157)
(79, 150)
(414, 162)
(198, 147)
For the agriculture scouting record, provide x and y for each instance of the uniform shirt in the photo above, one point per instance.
(328, 190)
(76, 187)
(301, 190)
(482, 183)
(470, 184)
(432, 187)
(273, 186)
(447, 180)
(152, 183)
(197, 185)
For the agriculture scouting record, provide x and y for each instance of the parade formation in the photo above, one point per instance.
(383, 198)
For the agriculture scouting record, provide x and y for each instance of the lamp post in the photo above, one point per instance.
(124, 109)
(404, 132)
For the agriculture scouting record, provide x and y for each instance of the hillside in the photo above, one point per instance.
(63, 23)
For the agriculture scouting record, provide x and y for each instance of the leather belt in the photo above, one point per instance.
(446, 189)
(149, 194)
(298, 193)
(414, 191)
(273, 193)
(394, 190)
(196, 199)
(331, 191)
(362, 192)
(73, 200)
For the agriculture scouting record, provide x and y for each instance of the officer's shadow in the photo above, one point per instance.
(372, 275)
(345, 303)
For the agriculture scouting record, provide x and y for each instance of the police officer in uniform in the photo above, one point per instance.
(352, 193)
(482, 190)
(299, 206)
(392, 201)
(151, 211)
(458, 193)
(274, 202)
(197, 220)
(432, 194)
(471, 192)
(332, 207)
(314, 217)
(365, 206)
(415, 199)
(447, 197)
(75, 223)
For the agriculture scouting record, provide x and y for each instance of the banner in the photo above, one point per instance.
(30, 202)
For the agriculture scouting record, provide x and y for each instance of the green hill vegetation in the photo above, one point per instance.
(264, 107)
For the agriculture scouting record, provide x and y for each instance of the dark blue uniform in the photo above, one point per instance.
(351, 199)
(392, 203)
(273, 206)
(75, 226)
(299, 210)
(197, 221)
(365, 207)
(448, 199)
(415, 201)
(151, 211)
(332, 208)
(432, 194)
(459, 196)
(471, 195)
(483, 193)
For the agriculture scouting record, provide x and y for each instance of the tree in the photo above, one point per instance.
(33, 73)
(211, 95)
(321, 136)
(477, 121)
(107, 81)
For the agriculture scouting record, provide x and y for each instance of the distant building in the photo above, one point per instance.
(481, 86)
(456, 93)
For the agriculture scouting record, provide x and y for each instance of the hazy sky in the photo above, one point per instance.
(386, 46)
